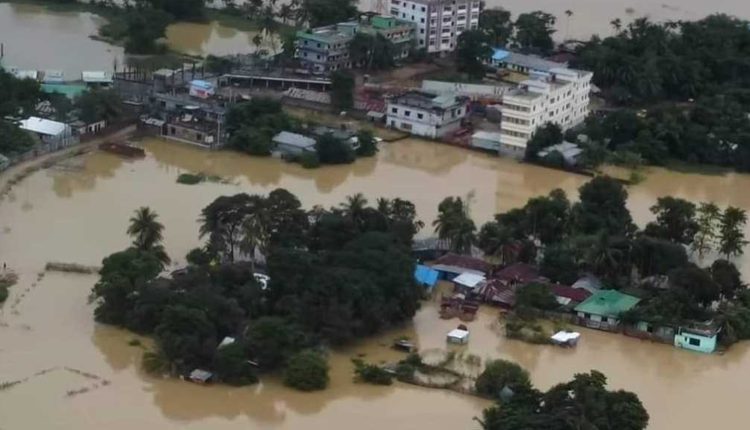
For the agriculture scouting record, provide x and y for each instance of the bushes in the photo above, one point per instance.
(190, 178)
(3, 293)
(309, 160)
(371, 373)
(307, 371)
(232, 366)
(500, 374)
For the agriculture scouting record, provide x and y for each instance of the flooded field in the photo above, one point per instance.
(86, 376)
(41, 39)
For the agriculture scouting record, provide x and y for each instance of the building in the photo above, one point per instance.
(569, 297)
(438, 22)
(522, 63)
(426, 114)
(486, 140)
(326, 49)
(570, 153)
(53, 133)
(560, 96)
(97, 79)
(452, 265)
(201, 89)
(293, 144)
(700, 337)
(603, 309)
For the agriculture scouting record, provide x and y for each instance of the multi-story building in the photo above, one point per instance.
(561, 96)
(439, 22)
(426, 114)
(326, 49)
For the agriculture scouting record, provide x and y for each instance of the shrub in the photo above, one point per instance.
(3, 293)
(499, 374)
(371, 373)
(190, 178)
(309, 160)
(232, 366)
(307, 371)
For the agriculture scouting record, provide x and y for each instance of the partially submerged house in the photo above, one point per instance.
(53, 133)
(569, 297)
(603, 309)
(518, 274)
(426, 276)
(468, 282)
(451, 265)
(700, 337)
(293, 144)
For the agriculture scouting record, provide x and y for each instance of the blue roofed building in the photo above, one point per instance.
(426, 276)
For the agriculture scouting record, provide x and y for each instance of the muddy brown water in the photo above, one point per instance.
(77, 211)
(41, 39)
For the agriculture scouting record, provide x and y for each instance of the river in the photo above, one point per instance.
(78, 210)
(41, 39)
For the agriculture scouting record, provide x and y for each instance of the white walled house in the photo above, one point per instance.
(426, 114)
(561, 97)
(439, 22)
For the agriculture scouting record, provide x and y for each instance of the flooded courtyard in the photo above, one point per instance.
(86, 376)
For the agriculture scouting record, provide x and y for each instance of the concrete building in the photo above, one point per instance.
(439, 22)
(52, 133)
(293, 144)
(426, 114)
(522, 63)
(560, 96)
(326, 49)
(700, 337)
(486, 140)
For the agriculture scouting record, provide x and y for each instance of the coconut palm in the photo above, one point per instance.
(616, 24)
(144, 228)
(568, 14)
(255, 236)
(354, 205)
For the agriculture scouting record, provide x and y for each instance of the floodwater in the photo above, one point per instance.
(41, 39)
(77, 212)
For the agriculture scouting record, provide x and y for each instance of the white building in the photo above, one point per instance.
(426, 114)
(560, 97)
(52, 133)
(439, 22)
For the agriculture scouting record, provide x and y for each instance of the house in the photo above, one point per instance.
(53, 77)
(293, 144)
(200, 376)
(426, 114)
(570, 153)
(430, 248)
(201, 89)
(97, 79)
(590, 283)
(4, 162)
(426, 276)
(569, 297)
(700, 337)
(518, 274)
(603, 309)
(438, 22)
(497, 293)
(486, 140)
(451, 265)
(56, 134)
(467, 281)
(192, 128)
(80, 128)
(458, 335)
(326, 49)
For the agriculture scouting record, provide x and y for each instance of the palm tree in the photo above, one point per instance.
(257, 41)
(602, 256)
(568, 14)
(255, 236)
(144, 228)
(285, 12)
(463, 236)
(354, 205)
(616, 24)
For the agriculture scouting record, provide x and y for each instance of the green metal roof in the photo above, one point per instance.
(70, 90)
(609, 303)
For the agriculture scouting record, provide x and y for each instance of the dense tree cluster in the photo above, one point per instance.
(253, 124)
(372, 52)
(335, 275)
(582, 403)
(18, 97)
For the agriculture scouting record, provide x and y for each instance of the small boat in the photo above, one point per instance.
(124, 149)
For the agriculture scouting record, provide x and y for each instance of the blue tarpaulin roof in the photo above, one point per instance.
(499, 54)
(426, 276)
(202, 84)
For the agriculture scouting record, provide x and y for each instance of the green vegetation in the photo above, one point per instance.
(336, 275)
(307, 371)
(342, 90)
(472, 50)
(252, 125)
(190, 178)
(367, 145)
(454, 223)
(371, 373)
(584, 402)
(372, 52)
(499, 374)
(326, 12)
(332, 150)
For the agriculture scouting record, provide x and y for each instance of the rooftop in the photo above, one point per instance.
(43, 126)
(96, 77)
(531, 62)
(487, 135)
(518, 272)
(470, 280)
(426, 100)
(610, 303)
(464, 262)
(294, 139)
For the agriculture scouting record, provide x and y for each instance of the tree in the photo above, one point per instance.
(371, 373)
(602, 208)
(372, 52)
(560, 263)
(548, 218)
(219, 65)
(99, 105)
(536, 296)
(144, 228)
(732, 235)
(272, 340)
(187, 336)
(367, 144)
(307, 371)
(697, 282)
(222, 222)
(18, 97)
(326, 12)
(548, 135)
(707, 234)
(453, 223)
(726, 275)
(499, 374)
(342, 90)
(144, 25)
(252, 140)
(534, 31)
(497, 24)
(332, 150)
(675, 220)
(472, 50)
(653, 256)
(233, 367)
(13, 140)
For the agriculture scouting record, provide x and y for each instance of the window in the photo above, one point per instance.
(198, 137)
(413, 7)
(172, 131)
(421, 30)
(407, 113)
(421, 42)
(393, 123)
(406, 126)
(420, 116)
(445, 41)
(587, 315)
(318, 45)
(447, 19)
(694, 342)
(394, 110)
(403, 15)
(423, 9)
(422, 21)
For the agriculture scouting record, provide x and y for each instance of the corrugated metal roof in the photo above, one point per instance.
(487, 135)
(608, 303)
(294, 139)
(95, 77)
(43, 126)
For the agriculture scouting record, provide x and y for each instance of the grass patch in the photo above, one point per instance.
(242, 22)
(190, 178)
(134, 342)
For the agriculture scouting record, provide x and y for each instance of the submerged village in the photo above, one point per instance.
(432, 208)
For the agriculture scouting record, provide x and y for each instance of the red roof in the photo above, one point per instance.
(575, 294)
(498, 292)
(518, 273)
(465, 262)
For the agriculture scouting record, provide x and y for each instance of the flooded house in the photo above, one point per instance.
(52, 133)
(293, 144)
(191, 120)
(699, 337)
(449, 266)
(603, 309)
